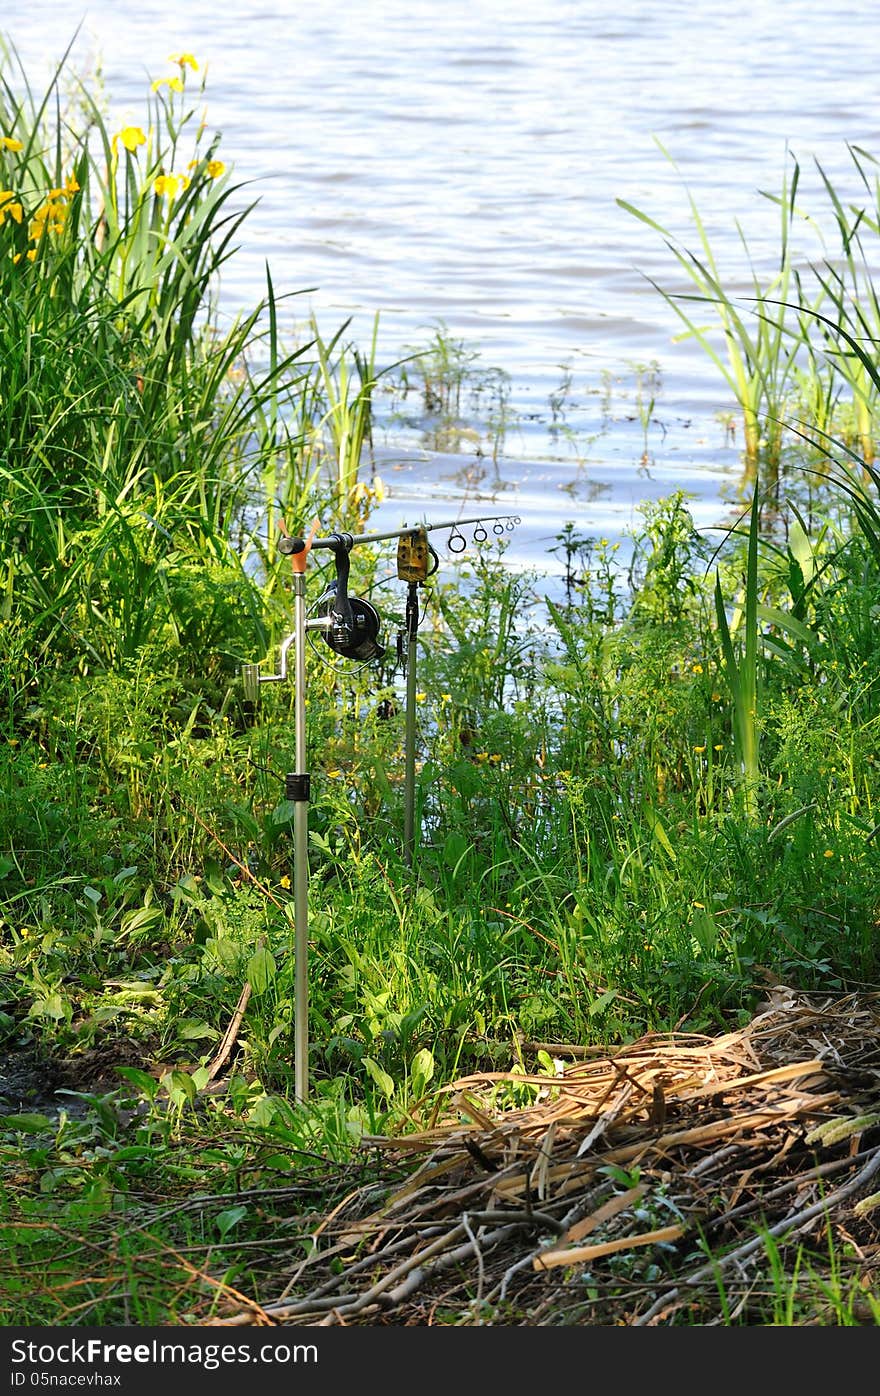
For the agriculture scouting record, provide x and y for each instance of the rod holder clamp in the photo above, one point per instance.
(297, 787)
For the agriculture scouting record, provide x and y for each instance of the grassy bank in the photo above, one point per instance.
(638, 809)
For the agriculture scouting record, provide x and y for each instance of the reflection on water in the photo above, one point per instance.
(459, 164)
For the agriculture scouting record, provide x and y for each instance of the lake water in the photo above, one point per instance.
(458, 165)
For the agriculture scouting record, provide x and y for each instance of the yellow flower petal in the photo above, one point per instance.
(185, 60)
(166, 184)
(10, 143)
(131, 137)
(215, 168)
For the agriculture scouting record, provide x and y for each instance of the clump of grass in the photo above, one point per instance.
(759, 349)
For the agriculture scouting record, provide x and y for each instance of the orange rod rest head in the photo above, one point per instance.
(299, 560)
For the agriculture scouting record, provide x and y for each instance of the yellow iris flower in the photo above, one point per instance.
(131, 137)
(176, 84)
(166, 184)
(10, 143)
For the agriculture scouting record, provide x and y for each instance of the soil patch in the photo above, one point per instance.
(30, 1080)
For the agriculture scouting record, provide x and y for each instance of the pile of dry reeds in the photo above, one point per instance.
(637, 1186)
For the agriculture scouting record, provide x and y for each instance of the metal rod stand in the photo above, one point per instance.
(409, 748)
(300, 794)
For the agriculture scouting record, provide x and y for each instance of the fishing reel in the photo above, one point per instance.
(350, 625)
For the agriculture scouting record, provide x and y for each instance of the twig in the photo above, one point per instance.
(794, 1223)
(230, 1036)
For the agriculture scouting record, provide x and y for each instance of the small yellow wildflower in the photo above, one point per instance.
(131, 137)
(420, 697)
(166, 184)
(72, 186)
(15, 212)
(716, 697)
(215, 168)
(285, 882)
(378, 489)
(175, 83)
(700, 906)
(698, 668)
(699, 750)
(445, 697)
(719, 746)
(829, 853)
(10, 143)
(334, 775)
(184, 60)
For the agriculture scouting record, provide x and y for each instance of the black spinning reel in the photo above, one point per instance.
(353, 624)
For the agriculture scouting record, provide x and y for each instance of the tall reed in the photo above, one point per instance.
(134, 427)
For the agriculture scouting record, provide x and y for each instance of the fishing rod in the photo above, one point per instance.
(351, 627)
(287, 544)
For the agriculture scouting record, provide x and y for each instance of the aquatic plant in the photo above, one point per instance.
(762, 332)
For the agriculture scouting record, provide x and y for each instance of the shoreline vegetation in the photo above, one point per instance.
(646, 823)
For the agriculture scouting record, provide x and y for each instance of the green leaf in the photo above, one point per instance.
(788, 624)
(145, 1083)
(801, 549)
(29, 1123)
(192, 1028)
(214, 879)
(52, 1006)
(181, 1083)
(704, 929)
(261, 970)
(656, 826)
(455, 848)
(422, 1070)
(601, 1003)
(226, 1220)
(381, 1078)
